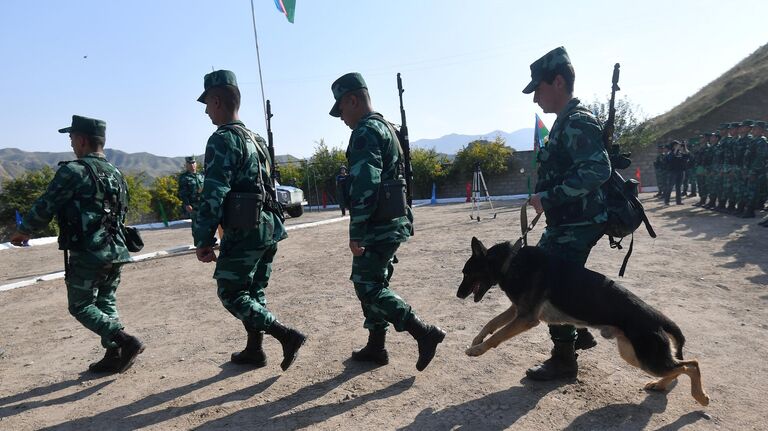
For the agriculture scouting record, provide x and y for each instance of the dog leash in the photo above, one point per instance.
(524, 226)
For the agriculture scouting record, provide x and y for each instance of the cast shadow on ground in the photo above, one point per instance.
(9, 406)
(497, 411)
(129, 416)
(694, 222)
(270, 414)
(631, 417)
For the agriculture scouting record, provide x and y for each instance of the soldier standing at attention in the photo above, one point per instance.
(572, 167)
(658, 169)
(89, 198)
(374, 155)
(190, 189)
(237, 168)
(754, 170)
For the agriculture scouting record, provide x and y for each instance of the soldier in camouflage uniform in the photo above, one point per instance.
(690, 170)
(739, 151)
(374, 156)
(727, 202)
(237, 165)
(714, 173)
(658, 169)
(701, 156)
(190, 189)
(755, 160)
(89, 197)
(572, 167)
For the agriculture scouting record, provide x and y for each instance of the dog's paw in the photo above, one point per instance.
(656, 385)
(475, 350)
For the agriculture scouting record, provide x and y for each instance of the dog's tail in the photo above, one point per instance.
(672, 329)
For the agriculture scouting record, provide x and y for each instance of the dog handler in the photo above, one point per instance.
(572, 166)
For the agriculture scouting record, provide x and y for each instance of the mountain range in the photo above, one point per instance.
(14, 162)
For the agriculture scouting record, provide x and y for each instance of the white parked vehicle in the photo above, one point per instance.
(291, 198)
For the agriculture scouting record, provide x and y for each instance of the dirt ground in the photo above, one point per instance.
(707, 271)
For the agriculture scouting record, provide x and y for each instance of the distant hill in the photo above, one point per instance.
(14, 162)
(738, 94)
(520, 140)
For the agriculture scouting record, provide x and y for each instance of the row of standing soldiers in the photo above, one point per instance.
(727, 168)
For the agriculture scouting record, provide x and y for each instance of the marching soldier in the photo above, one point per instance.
(237, 185)
(89, 197)
(374, 156)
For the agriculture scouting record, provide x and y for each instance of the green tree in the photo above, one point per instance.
(428, 167)
(291, 174)
(494, 157)
(322, 168)
(163, 194)
(628, 128)
(19, 194)
(140, 199)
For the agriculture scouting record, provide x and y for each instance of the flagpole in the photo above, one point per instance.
(258, 58)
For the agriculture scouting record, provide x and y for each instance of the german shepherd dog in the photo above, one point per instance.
(545, 288)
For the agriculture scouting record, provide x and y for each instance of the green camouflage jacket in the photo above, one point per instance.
(572, 167)
(71, 196)
(190, 188)
(372, 157)
(718, 153)
(756, 156)
(740, 149)
(234, 164)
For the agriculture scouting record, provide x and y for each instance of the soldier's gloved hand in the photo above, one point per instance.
(205, 254)
(19, 238)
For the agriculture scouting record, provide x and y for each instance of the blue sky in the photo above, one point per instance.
(139, 65)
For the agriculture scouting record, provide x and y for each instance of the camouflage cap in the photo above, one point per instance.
(346, 83)
(760, 124)
(217, 78)
(190, 159)
(734, 125)
(723, 126)
(747, 123)
(86, 126)
(547, 67)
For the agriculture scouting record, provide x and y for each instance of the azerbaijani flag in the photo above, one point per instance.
(540, 132)
(287, 7)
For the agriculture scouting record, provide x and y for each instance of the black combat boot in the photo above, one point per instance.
(720, 206)
(691, 195)
(561, 365)
(749, 212)
(253, 353)
(290, 339)
(712, 203)
(584, 340)
(731, 207)
(109, 364)
(130, 348)
(374, 351)
(428, 337)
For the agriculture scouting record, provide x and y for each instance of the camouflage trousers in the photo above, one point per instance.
(572, 243)
(714, 183)
(371, 273)
(241, 279)
(755, 190)
(91, 298)
(701, 180)
(726, 186)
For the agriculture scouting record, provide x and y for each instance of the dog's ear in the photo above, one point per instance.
(478, 249)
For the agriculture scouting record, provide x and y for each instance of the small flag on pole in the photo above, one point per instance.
(287, 7)
(540, 133)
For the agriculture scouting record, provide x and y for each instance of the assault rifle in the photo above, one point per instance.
(273, 173)
(406, 144)
(618, 160)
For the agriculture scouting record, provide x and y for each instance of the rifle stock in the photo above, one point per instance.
(271, 145)
(406, 144)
